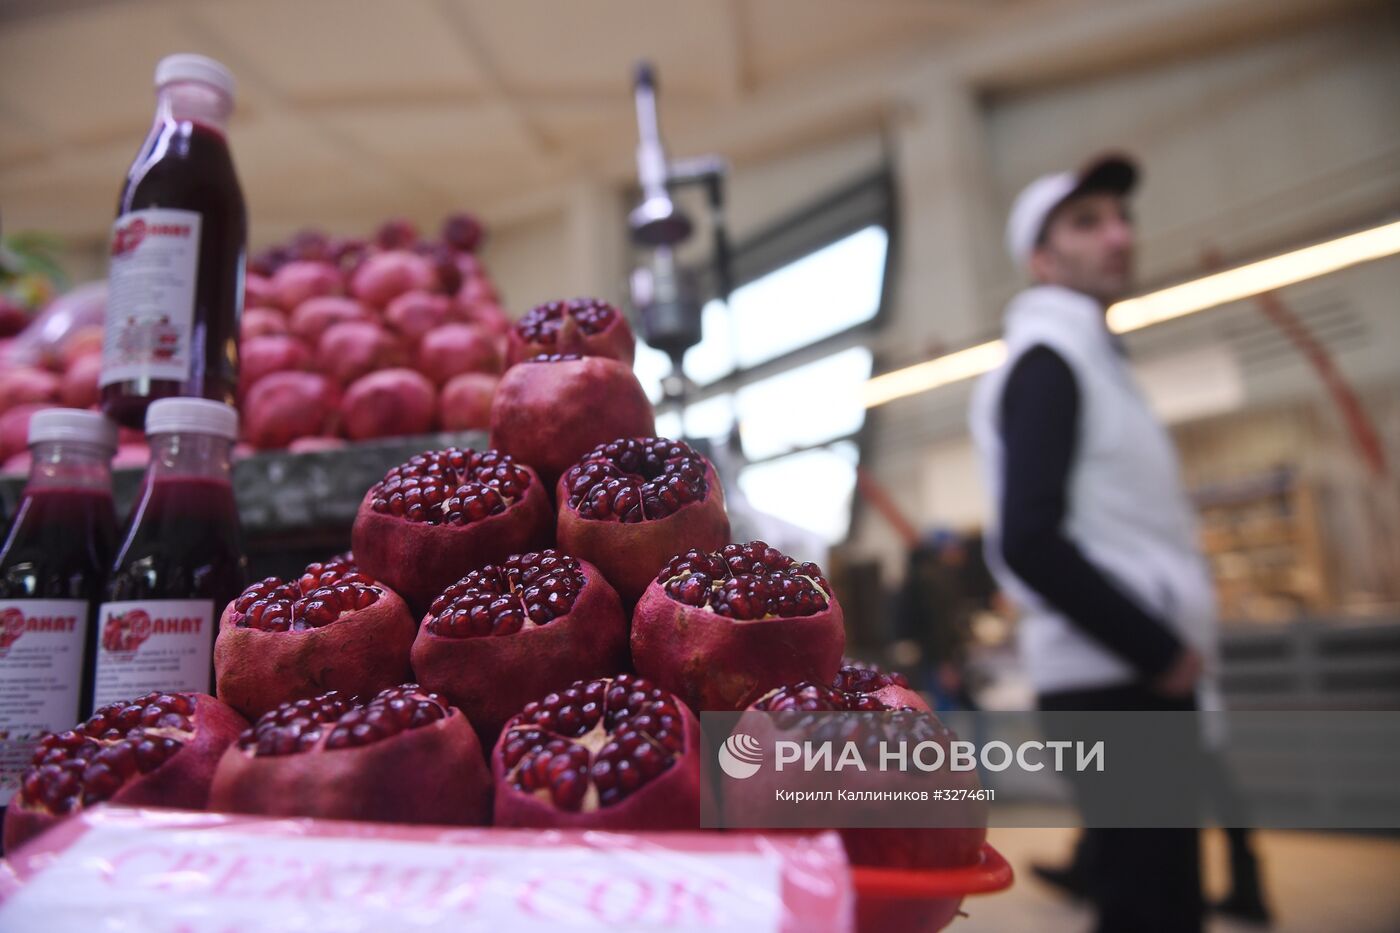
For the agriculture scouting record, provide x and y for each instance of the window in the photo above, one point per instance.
(811, 280)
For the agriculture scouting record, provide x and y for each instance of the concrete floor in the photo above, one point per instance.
(1316, 883)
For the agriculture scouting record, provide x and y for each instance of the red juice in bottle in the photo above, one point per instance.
(180, 562)
(53, 565)
(175, 281)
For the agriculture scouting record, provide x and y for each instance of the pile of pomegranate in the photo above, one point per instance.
(521, 635)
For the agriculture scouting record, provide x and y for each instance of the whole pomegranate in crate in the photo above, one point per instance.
(158, 750)
(721, 628)
(614, 753)
(332, 628)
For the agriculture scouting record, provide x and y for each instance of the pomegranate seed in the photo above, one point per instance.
(533, 588)
(636, 479)
(746, 581)
(541, 324)
(322, 594)
(299, 726)
(455, 486)
(859, 677)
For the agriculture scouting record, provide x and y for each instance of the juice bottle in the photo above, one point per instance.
(53, 565)
(175, 281)
(180, 561)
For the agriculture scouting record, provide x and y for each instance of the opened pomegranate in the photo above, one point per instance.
(404, 756)
(551, 410)
(158, 750)
(614, 753)
(444, 513)
(632, 504)
(509, 632)
(586, 326)
(332, 628)
(721, 628)
(890, 688)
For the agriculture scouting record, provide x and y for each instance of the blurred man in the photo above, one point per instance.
(1093, 536)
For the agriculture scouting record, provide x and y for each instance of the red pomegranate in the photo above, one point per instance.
(351, 349)
(586, 326)
(383, 277)
(632, 504)
(314, 316)
(396, 233)
(257, 291)
(285, 406)
(21, 385)
(463, 232)
(159, 750)
(14, 428)
(261, 322)
(615, 753)
(453, 349)
(332, 628)
(721, 628)
(444, 512)
(80, 342)
(275, 353)
(404, 756)
(551, 410)
(299, 280)
(510, 632)
(465, 402)
(389, 403)
(79, 388)
(415, 313)
(890, 688)
(486, 314)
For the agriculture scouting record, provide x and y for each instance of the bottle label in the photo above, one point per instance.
(150, 296)
(41, 677)
(153, 644)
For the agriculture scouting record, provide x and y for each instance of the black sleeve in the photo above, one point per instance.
(1039, 419)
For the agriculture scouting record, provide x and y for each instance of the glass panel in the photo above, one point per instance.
(811, 489)
(714, 417)
(805, 405)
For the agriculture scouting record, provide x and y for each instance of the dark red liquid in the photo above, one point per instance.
(61, 547)
(186, 166)
(183, 542)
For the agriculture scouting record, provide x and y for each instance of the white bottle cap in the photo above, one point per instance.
(72, 424)
(187, 66)
(192, 416)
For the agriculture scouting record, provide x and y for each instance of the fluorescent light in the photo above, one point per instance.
(1155, 307)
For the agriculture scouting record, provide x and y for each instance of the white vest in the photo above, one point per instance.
(1126, 510)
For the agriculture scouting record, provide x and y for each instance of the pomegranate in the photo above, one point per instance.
(551, 410)
(351, 349)
(404, 756)
(332, 628)
(415, 313)
(721, 628)
(487, 315)
(465, 402)
(446, 511)
(14, 428)
(257, 291)
(261, 322)
(21, 385)
(510, 632)
(476, 288)
(300, 280)
(80, 342)
(383, 277)
(453, 349)
(615, 753)
(398, 233)
(632, 504)
(313, 317)
(18, 464)
(157, 750)
(463, 232)
(317, 444)
(311, 244)
(389, 403)
(285, 406)
(275, 353)
(79, 387)
(586, 326)
(890, 688)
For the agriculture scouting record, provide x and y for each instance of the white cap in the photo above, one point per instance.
(1038, 200)
(72, 424)
(192, 416)
(187, 66)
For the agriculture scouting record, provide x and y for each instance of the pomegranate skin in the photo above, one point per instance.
(631, 554)
(454, 349)
(385, 276)
(299, 280)
(360, 653)
(715, 662)
(257, 291)
(414, 314)
(670, 801)
(465, 402)
(432, 774)
(80, 389)
(418, 561)
(21, 385)
(181, 782)
(273, 353)
(490, 677)
(351, 349)
(549, 413)
(613, 339)
(285, 406)
(389, 403)
(314, 317)
(261, 322)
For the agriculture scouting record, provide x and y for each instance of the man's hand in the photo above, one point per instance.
(1179, 680)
